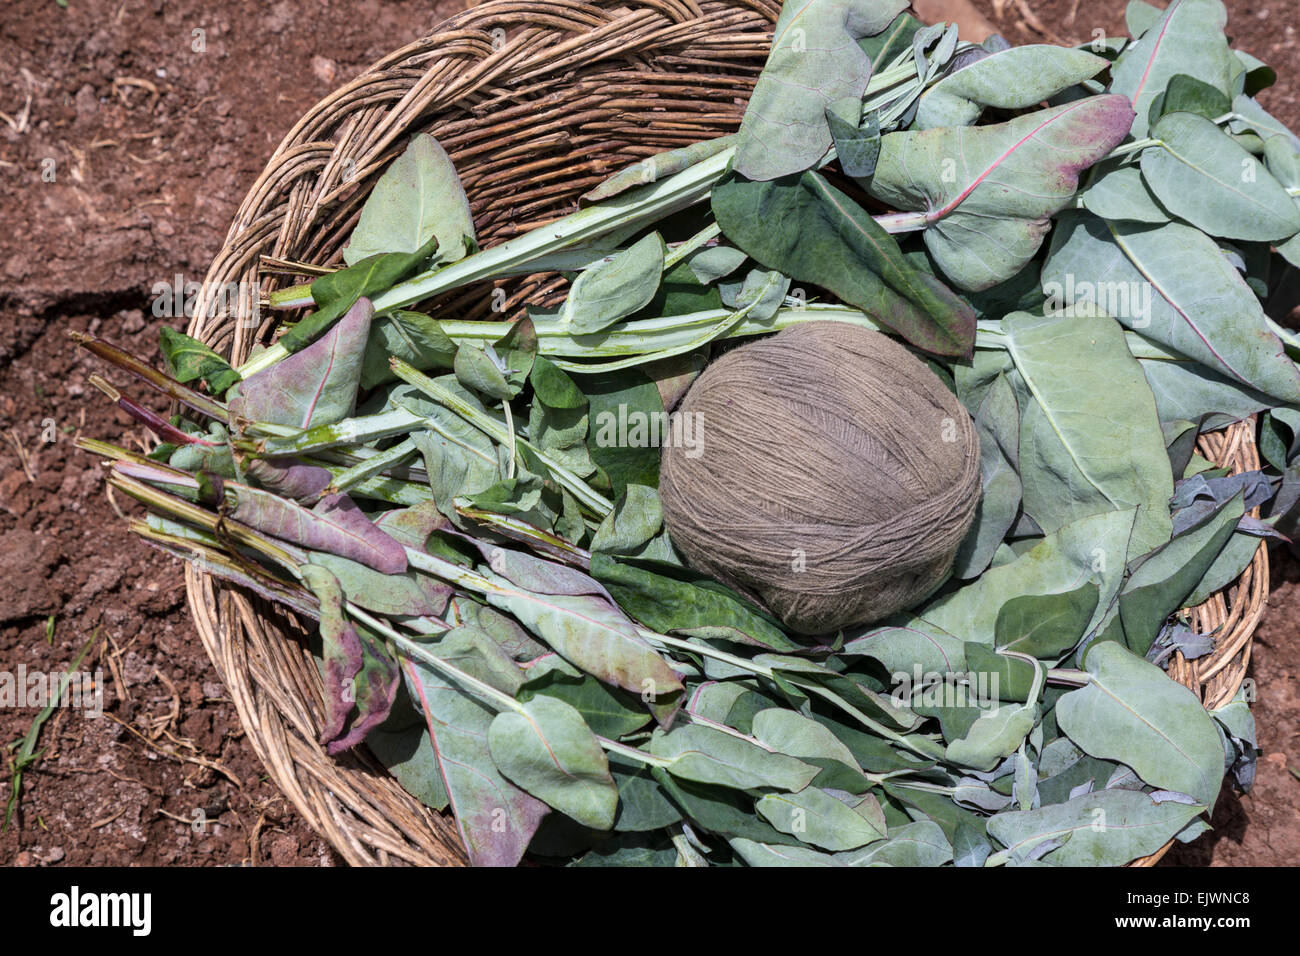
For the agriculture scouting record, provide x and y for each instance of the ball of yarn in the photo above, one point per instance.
(833, 476)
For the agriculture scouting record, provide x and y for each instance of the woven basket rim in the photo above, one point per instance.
(300, 208)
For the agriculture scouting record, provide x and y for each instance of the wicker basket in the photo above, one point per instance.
(536, 102)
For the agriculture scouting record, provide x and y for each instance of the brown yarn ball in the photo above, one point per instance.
(832, 476)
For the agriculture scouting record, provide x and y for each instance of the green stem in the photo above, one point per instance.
(551, 545)
(1129, 148)
(371, 467)
(830, 696)
(352, 431)
(697, 241)
(501, 434)
(1073, 678)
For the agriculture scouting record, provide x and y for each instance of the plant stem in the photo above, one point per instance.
(899, 222)
(371, 467)
(1129, 148)
(1068, 676)
(500, 434)
(697, 241)
(152, 377)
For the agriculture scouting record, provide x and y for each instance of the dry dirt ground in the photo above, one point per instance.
(129, 132)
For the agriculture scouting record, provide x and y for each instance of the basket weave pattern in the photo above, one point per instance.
(536, 102)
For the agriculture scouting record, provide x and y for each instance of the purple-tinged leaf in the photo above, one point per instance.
(538, 574)
(374, 690)
(988, 193)
(1187, 38)
(1260, 528)
(343, 652)
(288, 477)
(412, 526)
(317, 386)
(336, 526)
(495, 818)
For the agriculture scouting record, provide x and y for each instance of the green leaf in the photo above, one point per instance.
(1090, 438)
(1121, 194)
(459, 459)
(668, 602)
(712, 263)
(1253, 118)
(1255, 75)
(815, 61)
(337, 292)
(615, 288)
(827, 239)
(1132, 713)
(998, 425)
(189, 359)
(1140, 16)
(557, 418)
(1173, 285)
(1185, 388)
(856, 147)
(636, 519)
(892, 42)
(608, 711)
(913, 642)
(913, 844)
(988, 192)
(1187, 94)
(550, 752)
(1199, 174)
(1010, 678)
(641, 851)
(718, 810)
(623, 407)
(816, 817)
(484, 374)
(594, 636)
(761, 294)
(797, 736)
(1014, 79)
(643, 804)
(764, 854)
(710, 756)
(1163, 582)
(499, 370)
(922, 843)
(994, 735)
(403, 746)
(1046, 626)
(413, 337)
(1227, 567)
(1189, 32)
(1105, 828)
(1090, 549)
(410, 593)
(657, 167)
(418, 198)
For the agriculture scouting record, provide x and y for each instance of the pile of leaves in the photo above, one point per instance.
(1078, 241)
